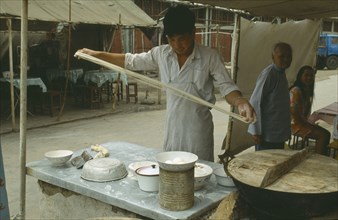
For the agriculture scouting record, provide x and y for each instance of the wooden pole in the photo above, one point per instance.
(68, 60)
(10, 43)
(234, 57)
(159, 91)
(23, 106)
(116, 89)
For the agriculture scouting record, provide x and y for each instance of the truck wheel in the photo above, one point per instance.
(320, 63)
(332, 62)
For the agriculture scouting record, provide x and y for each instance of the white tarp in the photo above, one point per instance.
(256, 42)
(108, 12)
(280, 8)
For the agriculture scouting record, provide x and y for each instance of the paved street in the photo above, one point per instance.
(142, 128)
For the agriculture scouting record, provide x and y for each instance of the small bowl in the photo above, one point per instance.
(103, 170)
(222, 178)
(202, 175)
(176, 160)
(148, 178)
(59, 157)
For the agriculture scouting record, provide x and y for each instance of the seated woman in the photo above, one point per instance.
(301, 97)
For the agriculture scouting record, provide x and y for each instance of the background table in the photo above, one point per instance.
(99, 77)
(73, 75)
(122, 194)
(30, 82)
(327, 114)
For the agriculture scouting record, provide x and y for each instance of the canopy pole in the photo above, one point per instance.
(10, 44)
(23, 106)
(234, 58)
(68, 60)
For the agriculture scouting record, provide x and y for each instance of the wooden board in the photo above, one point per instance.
(277, 171)
(316, 174)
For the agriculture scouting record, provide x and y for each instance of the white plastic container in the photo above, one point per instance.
(148, 178)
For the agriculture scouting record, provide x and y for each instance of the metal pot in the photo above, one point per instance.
(148, 178)
(309, 190)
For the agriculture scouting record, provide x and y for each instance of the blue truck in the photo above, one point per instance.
(327, 52)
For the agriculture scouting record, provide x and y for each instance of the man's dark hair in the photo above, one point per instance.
(178, 20)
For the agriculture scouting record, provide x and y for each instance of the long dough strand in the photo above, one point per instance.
(157, 84)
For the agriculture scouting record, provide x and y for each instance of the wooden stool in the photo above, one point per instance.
(128, 94)
(333, 149)
(54, 101)
(93, 96)
(35, 99)
(119, 91)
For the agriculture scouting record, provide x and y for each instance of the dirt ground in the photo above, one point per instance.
(134, 123)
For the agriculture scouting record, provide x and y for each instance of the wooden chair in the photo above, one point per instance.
(298, 141)
(130, 94)
(93, 96)
(54, 98)
(333, 149)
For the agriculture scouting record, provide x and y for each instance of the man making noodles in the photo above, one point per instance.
(193, 68)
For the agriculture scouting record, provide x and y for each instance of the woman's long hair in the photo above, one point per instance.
(298, 83)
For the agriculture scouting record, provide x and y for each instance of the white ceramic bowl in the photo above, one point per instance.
(202, 175)
(103, 170)
(59, 157)
(176, 160)
(222, 178)
(148, 178)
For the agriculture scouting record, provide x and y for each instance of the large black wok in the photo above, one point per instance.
(272, 204)
(309, 190)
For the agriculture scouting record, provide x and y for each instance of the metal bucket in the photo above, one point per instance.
(176, 189)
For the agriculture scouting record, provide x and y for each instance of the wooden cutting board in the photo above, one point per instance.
(315, 174)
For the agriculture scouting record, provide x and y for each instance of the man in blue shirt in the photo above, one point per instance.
(271, 102)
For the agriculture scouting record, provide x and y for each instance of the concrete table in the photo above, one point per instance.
(123, 194)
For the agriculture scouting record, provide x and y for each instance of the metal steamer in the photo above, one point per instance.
(176, 187)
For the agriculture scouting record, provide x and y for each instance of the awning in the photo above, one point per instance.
(107, 12)
(280, 8)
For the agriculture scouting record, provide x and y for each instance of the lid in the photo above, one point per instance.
(316, 174)
(135, 165)
(152, 170)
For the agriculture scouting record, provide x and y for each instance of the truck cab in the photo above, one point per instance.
(327, 52)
